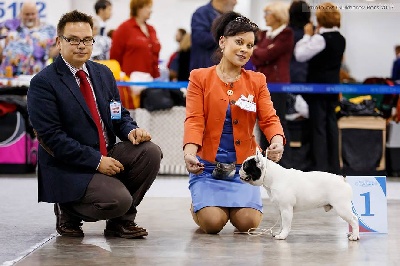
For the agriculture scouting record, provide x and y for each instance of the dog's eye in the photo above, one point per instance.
(247, 179)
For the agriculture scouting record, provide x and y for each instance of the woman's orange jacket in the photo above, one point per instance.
(206, 104)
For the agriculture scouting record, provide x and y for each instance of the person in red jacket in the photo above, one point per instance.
(272, 57)
(134, 43)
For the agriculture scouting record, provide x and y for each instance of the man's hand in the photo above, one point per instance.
(139, 135)
(109, 166)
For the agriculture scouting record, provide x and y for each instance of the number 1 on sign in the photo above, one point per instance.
(367, 201)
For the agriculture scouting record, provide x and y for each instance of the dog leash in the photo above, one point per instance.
(259, 231)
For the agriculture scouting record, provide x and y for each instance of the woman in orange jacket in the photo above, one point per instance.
(222, 105)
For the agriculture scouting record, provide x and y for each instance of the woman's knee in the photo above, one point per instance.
(211, 219)
(245, 218)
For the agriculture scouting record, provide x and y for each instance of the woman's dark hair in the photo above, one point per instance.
(73, 16)
(299, 14)
(231, 24)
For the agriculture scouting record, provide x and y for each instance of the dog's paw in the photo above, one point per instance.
(353, 237)
(275, 233)
(281, 236)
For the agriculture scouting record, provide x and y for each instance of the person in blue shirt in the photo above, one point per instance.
(396, 65)
(203, 43)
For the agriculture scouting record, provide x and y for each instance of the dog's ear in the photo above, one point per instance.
(258, 155)
(259, 158)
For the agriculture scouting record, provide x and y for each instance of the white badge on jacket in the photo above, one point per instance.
(115, 110)
(246, 103)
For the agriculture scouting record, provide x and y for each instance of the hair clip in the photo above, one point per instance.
(242, 19)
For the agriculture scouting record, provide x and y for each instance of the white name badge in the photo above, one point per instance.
(115, 110)
(246, 103)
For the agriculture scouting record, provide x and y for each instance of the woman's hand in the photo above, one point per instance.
(275, 152)
(192, 164)
(275, 149)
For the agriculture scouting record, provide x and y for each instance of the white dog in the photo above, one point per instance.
(294, 190)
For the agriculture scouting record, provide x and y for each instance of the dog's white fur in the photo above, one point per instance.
(294, 190)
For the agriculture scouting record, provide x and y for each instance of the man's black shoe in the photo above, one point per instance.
(66, 224)
(124, 229)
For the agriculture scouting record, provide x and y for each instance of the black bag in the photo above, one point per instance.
(384, 102)
(156, 99)
(161, 99)
(358, 158)
(365, 108)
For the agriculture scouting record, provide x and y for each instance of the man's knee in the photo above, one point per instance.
(113, 199)
(118, 204)
(153, 151)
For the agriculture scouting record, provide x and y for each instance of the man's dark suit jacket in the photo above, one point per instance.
(69, 151)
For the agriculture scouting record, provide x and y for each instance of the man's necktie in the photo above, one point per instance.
(102, 31)
(91, 103)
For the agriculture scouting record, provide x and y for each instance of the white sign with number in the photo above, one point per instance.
(49, 11)
(11, 9)
(370, 202)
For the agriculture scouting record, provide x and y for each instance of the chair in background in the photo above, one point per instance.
(128, 98)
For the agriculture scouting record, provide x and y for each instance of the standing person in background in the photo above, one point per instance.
(134, 43)
(102, 44)
(323, 49)
(179, 69)
(81, 168)
(178, 38)
(396, 65)
(299, 16)
(223, 104)
(103, 9)
(272, 58)
(28, 41)
(203, 43)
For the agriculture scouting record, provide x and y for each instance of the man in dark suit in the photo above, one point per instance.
(74, 107)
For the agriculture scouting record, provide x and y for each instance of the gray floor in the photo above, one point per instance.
(27, 235)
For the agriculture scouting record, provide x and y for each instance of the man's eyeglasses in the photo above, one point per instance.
(77, 41)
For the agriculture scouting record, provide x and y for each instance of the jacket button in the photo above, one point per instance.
(235, 122)
(233, 102)
(237, 142)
